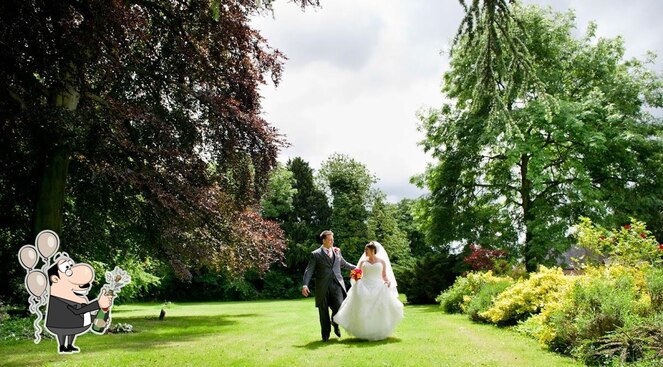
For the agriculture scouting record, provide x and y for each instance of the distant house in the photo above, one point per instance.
(571, 260)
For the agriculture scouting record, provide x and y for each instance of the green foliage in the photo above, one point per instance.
(453, 298)
(574, 129)
(422, 279)
(383, 227)
(281, 286)
(143, 278)
(458, 297)
(528, 296)
(277, 202)
(302, 224)
(640, 342)
(311, 211)
(409, 224)
(348, 183)
(598, 302)
(631, 244)
(111, 115)
(486, 28)
(654, 287)
(483, 300)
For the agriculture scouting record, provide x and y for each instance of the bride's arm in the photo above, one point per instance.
(384, 272)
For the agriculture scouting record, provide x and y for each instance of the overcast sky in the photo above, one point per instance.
(359, 70)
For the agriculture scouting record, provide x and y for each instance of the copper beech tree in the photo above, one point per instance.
(150, 103)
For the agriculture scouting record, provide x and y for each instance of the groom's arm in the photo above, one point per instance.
(346, 265)
(308, 274)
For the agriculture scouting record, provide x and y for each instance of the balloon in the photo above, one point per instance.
(35, 281)
(27, 255)
(47, 243)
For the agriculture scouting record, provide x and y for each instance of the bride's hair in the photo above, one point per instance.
(372, 246)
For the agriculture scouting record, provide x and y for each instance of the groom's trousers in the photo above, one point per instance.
(332, 300)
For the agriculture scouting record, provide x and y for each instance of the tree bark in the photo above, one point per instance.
(525, 193)
(53, 177)
(51, 189)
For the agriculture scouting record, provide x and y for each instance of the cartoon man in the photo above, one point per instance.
(69, 312)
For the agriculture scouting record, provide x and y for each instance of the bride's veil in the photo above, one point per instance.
(381, 253)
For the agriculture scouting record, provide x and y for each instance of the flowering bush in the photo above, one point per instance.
(484, 298)
(458, 297)
(596, 303)
(481, 259)
(527, 296)
(631, 244)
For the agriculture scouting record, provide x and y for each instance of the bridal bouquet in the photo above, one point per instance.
(356, 274)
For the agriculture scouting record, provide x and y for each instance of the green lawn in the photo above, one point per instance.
(282, 333)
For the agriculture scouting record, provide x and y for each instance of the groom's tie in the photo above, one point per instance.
(329, 253)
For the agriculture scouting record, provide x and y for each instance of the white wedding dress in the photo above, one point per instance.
(371, 310)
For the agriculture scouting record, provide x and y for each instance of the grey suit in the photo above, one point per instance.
(329, 286)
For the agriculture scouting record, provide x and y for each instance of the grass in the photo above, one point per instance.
(282, 333)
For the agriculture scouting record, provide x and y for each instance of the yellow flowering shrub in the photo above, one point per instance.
(527, 296)
(598, 302)
(457, 298)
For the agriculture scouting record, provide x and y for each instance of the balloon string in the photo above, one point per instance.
(35, 308)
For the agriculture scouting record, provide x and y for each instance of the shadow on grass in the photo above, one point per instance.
(352, 342)
(150, 333)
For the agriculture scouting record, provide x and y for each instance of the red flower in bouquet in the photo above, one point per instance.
(643, 235)
(660, 246)
(628, 226)
(356, 274)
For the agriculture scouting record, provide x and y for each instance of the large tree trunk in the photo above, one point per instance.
(51, 189)
(53, 176)
(525, 194)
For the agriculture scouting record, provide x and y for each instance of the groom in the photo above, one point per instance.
(325, 264)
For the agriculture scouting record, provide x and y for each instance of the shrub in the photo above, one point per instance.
(481, 259)
(631, 244)
(654, 286)
(599, 302)
(527, 296)
(641, 341)
(278, 285)
(421, 280)
(458, 297)
(483, 300)
(452, 299)
(141, 272)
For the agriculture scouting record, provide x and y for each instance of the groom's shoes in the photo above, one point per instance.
(325, 338)
(337, 331)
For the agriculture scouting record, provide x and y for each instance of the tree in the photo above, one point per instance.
(517, 179)
(486, 28)
(383, 227)
(311, 212)
(348, 183)
(277, 202)
(407, 222)
(145, 96)
(302, 221)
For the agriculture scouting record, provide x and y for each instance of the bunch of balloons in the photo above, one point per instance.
(36, 282)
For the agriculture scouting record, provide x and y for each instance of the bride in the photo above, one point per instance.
(372, 310)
